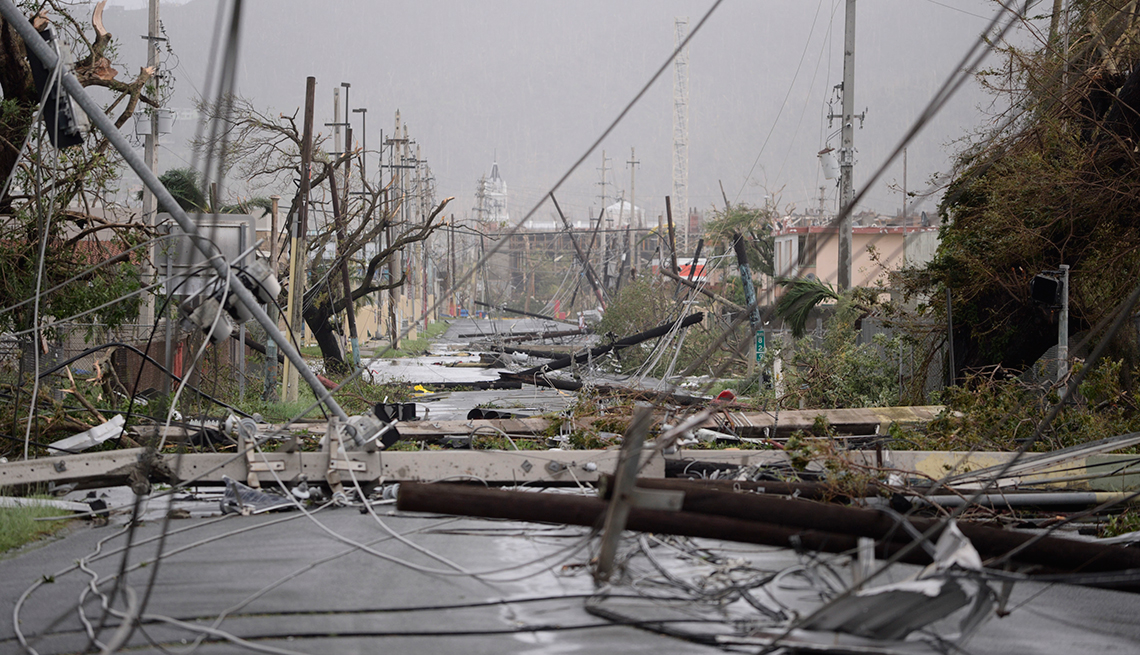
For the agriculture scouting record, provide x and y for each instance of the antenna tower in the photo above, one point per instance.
(681, 126)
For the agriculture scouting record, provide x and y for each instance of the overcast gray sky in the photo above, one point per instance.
(534, 83)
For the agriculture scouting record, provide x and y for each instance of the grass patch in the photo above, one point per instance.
(356, 397)
(18, 525)
(415, 347)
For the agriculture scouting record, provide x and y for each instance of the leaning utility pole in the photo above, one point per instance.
(847, 150)
(299, 255)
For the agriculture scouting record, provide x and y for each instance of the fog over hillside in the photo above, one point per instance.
(533, 84)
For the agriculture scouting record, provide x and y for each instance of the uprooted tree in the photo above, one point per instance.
(59, 198)
(1057, 181)
(266, 150)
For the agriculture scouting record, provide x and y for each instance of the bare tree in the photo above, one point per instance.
(266, 151)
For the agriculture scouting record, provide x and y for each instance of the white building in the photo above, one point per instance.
(491, 198)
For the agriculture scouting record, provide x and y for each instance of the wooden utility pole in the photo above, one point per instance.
(350, 309)
(270, 392)
(672, 235)
(847, 150)
(298, 256)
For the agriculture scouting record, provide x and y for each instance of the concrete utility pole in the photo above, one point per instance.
(603, 264)
(847, 149)
(395, 262)
(298, 257)
(150, 154)
(1055, 20)
(905, 222)
(421, 202)
(632, 207)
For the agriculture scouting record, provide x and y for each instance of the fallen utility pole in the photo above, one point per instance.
(659, 331)
(95, 112)
(532, 352)
(803, 490)
(637, 394)
(700, 289)
(593, 280)
(1049, 553)
(524, 336)
(512, 310)
(464, 500)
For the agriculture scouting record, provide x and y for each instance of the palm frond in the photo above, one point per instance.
(801, 295)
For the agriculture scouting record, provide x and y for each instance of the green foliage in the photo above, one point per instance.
(647, 303)
(1059, 186)
(755, 225)
(1118, 524)
(992, 410)
(801, 295)
(839, 372)
(185, 184)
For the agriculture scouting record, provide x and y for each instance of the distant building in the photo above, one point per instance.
(622, 213)
(813, 250)
(491, 198)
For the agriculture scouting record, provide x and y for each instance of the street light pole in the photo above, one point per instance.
(363, 111)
